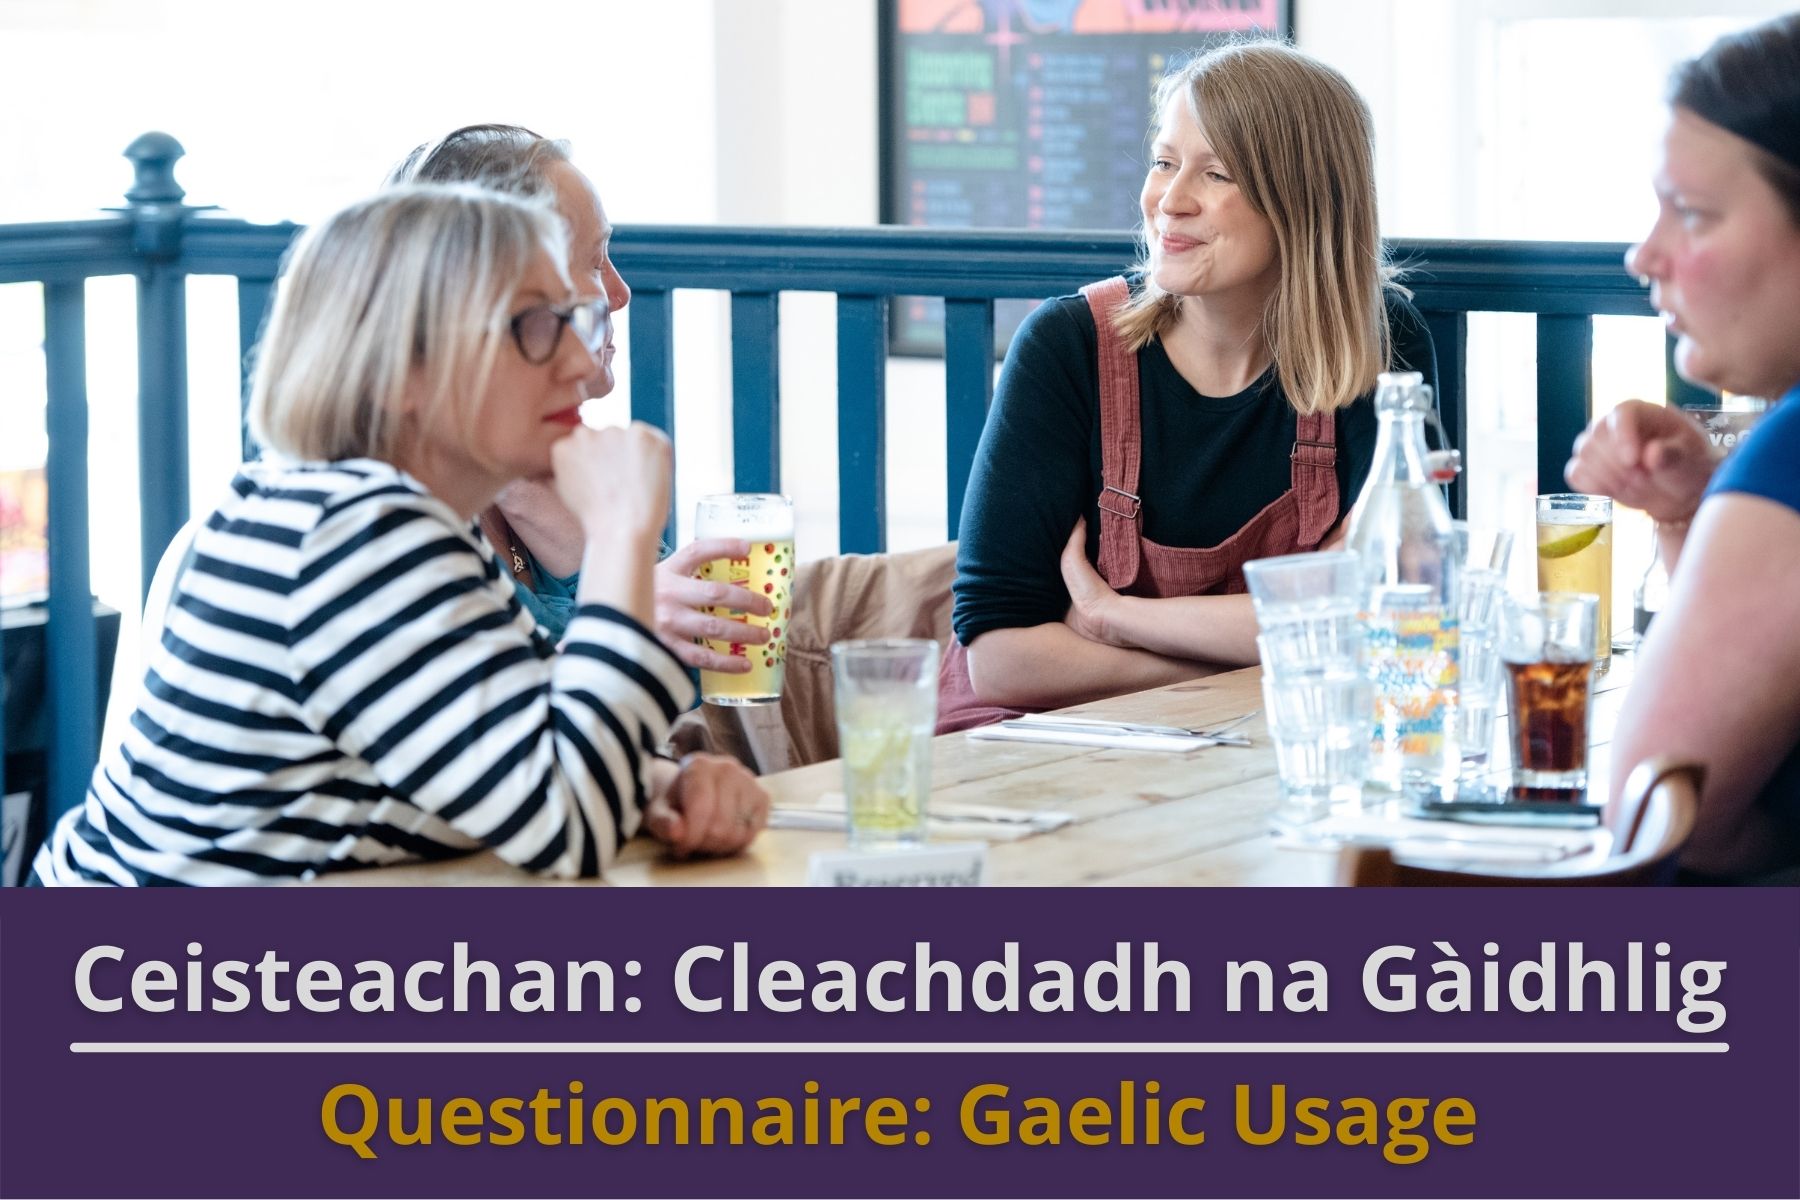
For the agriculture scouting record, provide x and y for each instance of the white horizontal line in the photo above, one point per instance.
(899, 1047)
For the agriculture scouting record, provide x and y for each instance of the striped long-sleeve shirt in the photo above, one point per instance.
(345, 679)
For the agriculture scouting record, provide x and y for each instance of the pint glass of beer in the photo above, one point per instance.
(767, 523)
(1547, 646)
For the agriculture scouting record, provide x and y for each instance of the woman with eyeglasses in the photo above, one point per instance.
(345, 678)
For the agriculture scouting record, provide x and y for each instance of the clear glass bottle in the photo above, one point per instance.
(1401, 528)
(1651, 595)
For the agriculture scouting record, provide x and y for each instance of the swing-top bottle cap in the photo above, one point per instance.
(1402, 391)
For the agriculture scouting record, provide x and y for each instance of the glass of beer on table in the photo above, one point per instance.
(767, 523)
(1574, 547)
(1546, 644)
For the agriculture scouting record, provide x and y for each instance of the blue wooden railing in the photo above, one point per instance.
(161, 240)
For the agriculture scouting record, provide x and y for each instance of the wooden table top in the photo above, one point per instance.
(1140, 817)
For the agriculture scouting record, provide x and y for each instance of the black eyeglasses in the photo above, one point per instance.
(539, 328)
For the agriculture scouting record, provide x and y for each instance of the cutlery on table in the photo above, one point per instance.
(1092, 725)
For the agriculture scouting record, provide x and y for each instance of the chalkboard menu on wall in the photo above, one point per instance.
(1029, 114)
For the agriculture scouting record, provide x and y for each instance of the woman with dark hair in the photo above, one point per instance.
(1716, 681)
(1151, 435)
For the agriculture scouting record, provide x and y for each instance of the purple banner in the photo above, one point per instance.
(588, 1042)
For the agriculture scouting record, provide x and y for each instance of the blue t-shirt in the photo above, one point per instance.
(1767, 464)
(552, 603)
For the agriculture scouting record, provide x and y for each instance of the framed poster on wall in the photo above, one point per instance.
(1029, 114)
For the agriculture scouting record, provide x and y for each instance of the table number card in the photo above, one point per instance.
(951, 864)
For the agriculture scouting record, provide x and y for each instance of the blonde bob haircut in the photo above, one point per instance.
(1298, 141)
(398, 302)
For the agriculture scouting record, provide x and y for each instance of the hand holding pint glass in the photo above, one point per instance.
(766, 522)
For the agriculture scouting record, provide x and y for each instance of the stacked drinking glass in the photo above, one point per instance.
(1316, 694)
(1483, 583)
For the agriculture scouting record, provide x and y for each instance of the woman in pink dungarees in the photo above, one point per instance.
(1151, 435)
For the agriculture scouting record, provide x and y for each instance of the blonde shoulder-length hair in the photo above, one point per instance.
(407, 290)
(1298, 141)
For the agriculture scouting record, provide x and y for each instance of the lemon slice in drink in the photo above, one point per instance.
(1570, 543)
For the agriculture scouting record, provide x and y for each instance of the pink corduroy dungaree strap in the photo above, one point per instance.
(1295, 521)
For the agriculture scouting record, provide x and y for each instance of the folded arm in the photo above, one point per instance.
(1211, 629)
(1049, 666)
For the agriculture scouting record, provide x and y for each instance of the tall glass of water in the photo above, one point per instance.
(886, 700)
(1482, 582)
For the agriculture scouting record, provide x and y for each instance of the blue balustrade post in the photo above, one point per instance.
(253, 306)
(70, 654)
(756, 391)
(862, 423)
(158, 219)
(653, 369)
(968, 390)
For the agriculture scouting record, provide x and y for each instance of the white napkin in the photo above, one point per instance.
(942, 819)
(1440, 841)
(1102, 738)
